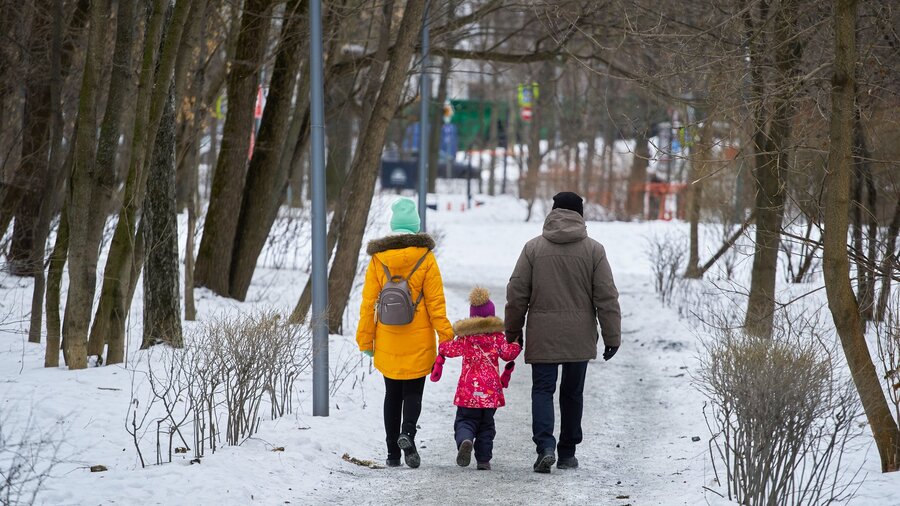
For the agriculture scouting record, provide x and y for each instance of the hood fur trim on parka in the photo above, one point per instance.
(399, 242)
(473, 326)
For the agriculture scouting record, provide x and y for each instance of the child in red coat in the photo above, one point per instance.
(480, 341)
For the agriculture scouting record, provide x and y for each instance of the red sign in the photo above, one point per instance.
(259, 103)
(525, 113)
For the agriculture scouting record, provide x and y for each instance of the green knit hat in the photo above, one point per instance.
(404, 217)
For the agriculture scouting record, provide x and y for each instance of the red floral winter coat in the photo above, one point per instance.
(480, 342)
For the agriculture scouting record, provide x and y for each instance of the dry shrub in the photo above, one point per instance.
(666, 254)
(779, 413)
(27, 458)
(233, 367)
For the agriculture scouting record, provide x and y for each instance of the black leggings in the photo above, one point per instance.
(402, 406)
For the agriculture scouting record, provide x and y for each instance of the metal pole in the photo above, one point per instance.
(319, 264)
(424, 102)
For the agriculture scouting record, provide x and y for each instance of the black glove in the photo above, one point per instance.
(609, 351)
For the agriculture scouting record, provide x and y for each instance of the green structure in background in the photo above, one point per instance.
(473, 120)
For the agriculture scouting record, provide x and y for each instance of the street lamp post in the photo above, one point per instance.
(424, 103)
(319, 262)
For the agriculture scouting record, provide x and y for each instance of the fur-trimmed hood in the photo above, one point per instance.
(400, 241)
(476, 325)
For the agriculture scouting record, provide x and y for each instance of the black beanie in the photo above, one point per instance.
(570, 201)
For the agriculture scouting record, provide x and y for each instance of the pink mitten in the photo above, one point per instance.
(507, 373)
(438, 368)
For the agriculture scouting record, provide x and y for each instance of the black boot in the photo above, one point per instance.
(410, 454)
(545, 461)
(392, 462)
(567, 463)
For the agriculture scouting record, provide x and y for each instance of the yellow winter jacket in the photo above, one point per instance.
(404, 351)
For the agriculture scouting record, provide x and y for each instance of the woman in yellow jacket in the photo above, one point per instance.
(404, 354)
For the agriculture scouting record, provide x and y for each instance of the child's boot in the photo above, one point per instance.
(483, 466)
(464, 457)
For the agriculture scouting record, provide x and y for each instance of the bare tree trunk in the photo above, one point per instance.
(192, 108)
(266, 178)
(162, 301)
(75, 328)
(866, 260)
(364, 170)
(190, 309)
(698, 171)
(888, 263)
(841, 302)
(492, 144)
(437, 123)
(54, 283)
(50, 203)
(772, 163)
(216, 246)
(109, 322)
(339, 129)
(94, 182)
(539, 118)
(292, 156)
(31, 177)
(634, 202)
(12, 194)
(588, 173)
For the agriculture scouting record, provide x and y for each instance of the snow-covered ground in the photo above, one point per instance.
(641, 410)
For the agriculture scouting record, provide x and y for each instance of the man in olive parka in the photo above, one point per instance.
(564, 284)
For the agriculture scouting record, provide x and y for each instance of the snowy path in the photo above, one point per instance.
(634, 444)
(640, 408)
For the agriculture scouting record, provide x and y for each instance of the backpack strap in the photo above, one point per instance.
(422, 291)
(417, 264)
(387, 271)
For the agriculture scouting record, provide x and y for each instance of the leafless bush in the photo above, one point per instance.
(27, 458)
(666, 254)
(779, 413)
(233, 367)
(888, 342)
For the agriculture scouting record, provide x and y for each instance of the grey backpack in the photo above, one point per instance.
(395, 305)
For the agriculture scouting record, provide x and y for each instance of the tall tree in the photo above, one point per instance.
(162, 315)
(121, 266)
(770, 143)
(94, 181)
(34, 170)
(267, 178)
(75, 329)
(213, 267)
(841, 300)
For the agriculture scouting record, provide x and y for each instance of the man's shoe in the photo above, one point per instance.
(410, 454)
(392, 462)
(483, 466)
(567, 463)
(464, 457)
(544, 462)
